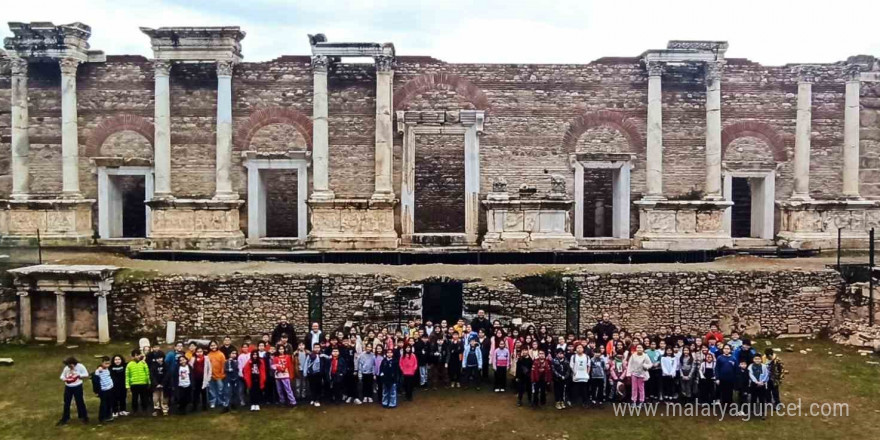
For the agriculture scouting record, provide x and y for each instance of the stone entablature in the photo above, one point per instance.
(814, 224)
(195, 224)
(38, 41)
(352, 224)
(682, 224)
(207, 43)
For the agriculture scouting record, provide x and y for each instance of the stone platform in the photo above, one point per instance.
(58, 222)
(195, 224)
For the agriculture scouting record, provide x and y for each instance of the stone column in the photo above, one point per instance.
(69, 131)
(713, 131)
(162, 138)
(20, 141)
(24, 312)
(60, 317)
(320, 131)
(384, 129)
(223, 187)
(851, 134)
(802, 136)
(103, 318)
(654, 154)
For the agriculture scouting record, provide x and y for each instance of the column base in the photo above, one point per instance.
(195, 224)
(814, 224)
(322, 196)
(527, 224)
(682, 225)
(352, 224)
(60, 222)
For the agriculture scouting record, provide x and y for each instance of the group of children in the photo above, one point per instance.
(357, 367)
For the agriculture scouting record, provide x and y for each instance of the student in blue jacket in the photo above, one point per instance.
(389, 375)
(725, 371)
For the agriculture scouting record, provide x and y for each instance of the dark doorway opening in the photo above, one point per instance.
(439, 184)
(741, 214)
(598, 203)
(442, 301)
(281, 202)
(134, 217)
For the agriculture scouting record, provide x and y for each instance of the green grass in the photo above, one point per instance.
(30, 403)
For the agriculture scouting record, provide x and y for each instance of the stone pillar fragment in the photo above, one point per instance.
(60, 317)
(654, 154)
(803, 129)
(162, 137)
(384, 129)
(24, 312)
(223, 187)
(851, 135)
(713, 131)
(20, 141)
(320, 131)
(103, 318)
(69, 130)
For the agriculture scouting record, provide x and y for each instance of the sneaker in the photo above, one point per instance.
(123, 413)
(115, 414)
(258, 408)
(348, 400)
(155, 413)
(518, 403)
(317, 403)
(503, 390)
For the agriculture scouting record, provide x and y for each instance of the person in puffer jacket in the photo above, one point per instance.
(561, 375)
(597, 378)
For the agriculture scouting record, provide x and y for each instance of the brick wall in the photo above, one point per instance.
(439, 184)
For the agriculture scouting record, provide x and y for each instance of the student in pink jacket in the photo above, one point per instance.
(408, 366)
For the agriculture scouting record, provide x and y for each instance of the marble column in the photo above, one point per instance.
(69, 131)
(223, 187)
(24, 312)
(320, 131)
(103, 319)
(384, 129)
(162, 137)
(713, 131)
(654, 154)
(803, 129)
(851, 135)
(20, 141)
(60, 317)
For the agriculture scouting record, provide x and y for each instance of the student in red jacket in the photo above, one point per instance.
(409, 364)
(255, 378)
(541, 377)
(282, 366)
(713, 332)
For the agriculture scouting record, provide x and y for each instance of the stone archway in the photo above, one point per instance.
(273, 115)
(430, 81)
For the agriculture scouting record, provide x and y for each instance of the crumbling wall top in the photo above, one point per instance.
(196, 44)
(41, 41)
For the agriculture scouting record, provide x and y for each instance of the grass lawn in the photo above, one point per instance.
(30, 404)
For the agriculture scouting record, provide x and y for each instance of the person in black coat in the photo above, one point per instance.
(454, 352)
(523, 376)
(335, 370)
(603, 330)
(284, 327)
(389, 376)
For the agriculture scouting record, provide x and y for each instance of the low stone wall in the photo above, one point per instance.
(768, 302)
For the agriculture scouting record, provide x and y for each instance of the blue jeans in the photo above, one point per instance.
(233, 391)
(217, 395)
(389, 394)
(423, 375)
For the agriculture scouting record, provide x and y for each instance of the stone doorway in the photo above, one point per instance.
(442, 300)
(602, 195)
(122, 193)
(753, 195)
(276, 197)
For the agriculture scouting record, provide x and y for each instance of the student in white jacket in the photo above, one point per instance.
(637, 370)
(669, 367)
(580, 375)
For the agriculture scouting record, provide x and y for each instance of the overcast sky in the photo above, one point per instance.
(489, 31)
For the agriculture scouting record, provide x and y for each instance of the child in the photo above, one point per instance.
(366, 365)
(707, 379)
(734, 341)
(687, 371)
(73, 375)
(158, 374)
(580, 375)
(201, 375)
(523, 376)
(334, 374)
(758, 375)
(777, 371)
(617, 369)
(655, 373)
(313, 371)
(421, 349)
(669, 369)
(117, 374)
(454, 357)
(181, 384)
(408, 367)
(231, 381)
(541, 377)
(243, 357)
(472, 363)
(217, 384)
(742, 384)
(282, 365)
(500, 360)
(597, 378)
(561, 372)
(638, 371)
(299, 379)
(137, 379)
(389, 375)
(102, 385)
(255, 379)
(270, 393)
(439, 355)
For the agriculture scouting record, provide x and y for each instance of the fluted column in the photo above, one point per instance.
(223, 187)
(320, 131)
(803, 129)
(384, 128)
(713, 131)
(162, 137)
(851, 134)
(654, 154)
(20, 142)
(69, 130)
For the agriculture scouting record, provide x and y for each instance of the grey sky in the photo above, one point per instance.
(492, 31)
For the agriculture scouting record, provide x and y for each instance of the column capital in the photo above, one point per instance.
(68, 66)
(60, 292)
(713, 71)
(654, 68)
(853, 73)
(224, 68)
(162, 67)
(19, 66)
(384, 63)
(806, 74)
(320, 63)
(23, 292)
